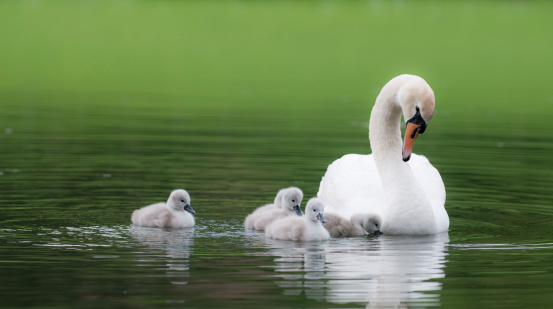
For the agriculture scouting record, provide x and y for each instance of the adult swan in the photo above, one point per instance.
(403, 188)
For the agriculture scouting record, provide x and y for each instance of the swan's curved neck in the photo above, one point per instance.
(386, 142)
(385, 133)
(398, 180)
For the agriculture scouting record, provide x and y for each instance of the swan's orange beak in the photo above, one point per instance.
(411, 133)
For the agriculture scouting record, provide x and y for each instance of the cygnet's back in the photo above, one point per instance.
(339, 226)
(278, 200)
(360, 224)
(176, 213)
(306, 228)
(287, 203)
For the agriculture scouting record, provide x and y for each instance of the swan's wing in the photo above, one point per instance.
(430, 180)
(350, 185)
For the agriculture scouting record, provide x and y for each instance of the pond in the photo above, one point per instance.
(107, 106)
(74, 169)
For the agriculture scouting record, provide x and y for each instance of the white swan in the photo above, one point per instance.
(176, 213)
(287, 203)
(404, 188)
(306, 228)
(359, 224)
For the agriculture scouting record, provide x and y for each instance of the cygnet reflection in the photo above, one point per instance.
(170, 246)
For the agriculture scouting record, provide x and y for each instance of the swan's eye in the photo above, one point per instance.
(293, 201)
(182, 201)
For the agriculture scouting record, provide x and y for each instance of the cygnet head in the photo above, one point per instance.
(369, 222)
(417, 102)
(180, 201)
(290, 200)
(314, 209)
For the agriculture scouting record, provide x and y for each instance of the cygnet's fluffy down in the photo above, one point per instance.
(287, 203)
(176, 213)
(293, 194)
(360, 224)
(306, 228)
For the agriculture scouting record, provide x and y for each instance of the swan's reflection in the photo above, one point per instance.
(382, 272)
(173, 247)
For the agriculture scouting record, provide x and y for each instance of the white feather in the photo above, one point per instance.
(166, 215)
(304, 228)
(409, 196)
(283, 206)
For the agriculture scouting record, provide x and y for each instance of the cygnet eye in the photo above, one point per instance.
(182, 201)
(293, 201)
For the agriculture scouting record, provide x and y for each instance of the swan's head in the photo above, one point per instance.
(417, 102)
(290, 200)
(314, 209)
(371, 223)
(180, 200)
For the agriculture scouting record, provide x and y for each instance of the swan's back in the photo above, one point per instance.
(426, 173)
(433, 186)
(351, 185)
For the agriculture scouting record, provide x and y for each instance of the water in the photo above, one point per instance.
(233, 100)
(75, 167)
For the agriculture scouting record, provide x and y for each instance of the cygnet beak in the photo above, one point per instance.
(321, 218)
(298, 210)
(411, 133)
(189, 209)
(377, 232)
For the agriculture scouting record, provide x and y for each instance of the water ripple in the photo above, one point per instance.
(379, 272)
(502, 246)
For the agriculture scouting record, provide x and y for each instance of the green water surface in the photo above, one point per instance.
(106, 106)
